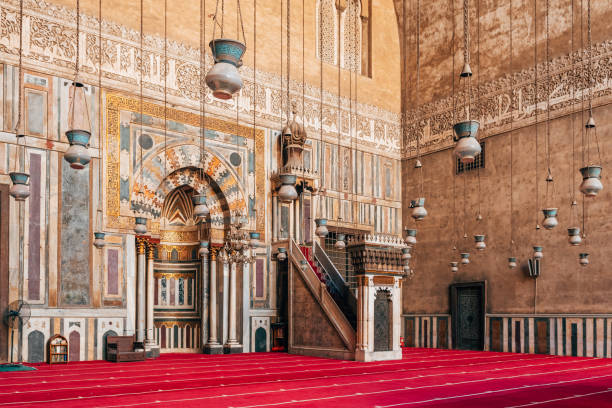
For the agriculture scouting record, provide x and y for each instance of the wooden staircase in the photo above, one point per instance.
(317, 325)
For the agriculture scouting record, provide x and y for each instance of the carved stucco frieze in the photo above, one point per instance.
(50, 33)
(495, 101)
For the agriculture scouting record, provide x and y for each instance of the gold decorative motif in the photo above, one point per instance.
(178, 236)
(174, 275)
(115, 103)
(384, 280)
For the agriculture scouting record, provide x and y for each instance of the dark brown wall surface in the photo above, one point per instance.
(490, 39)
(564, 286)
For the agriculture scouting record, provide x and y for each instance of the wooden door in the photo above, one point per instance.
(467, 309)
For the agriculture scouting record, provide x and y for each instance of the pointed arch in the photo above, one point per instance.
(182, 163)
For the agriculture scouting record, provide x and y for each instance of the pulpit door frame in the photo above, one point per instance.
(454, 297)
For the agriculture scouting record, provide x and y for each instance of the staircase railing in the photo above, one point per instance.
(336, 285)
(337, 317)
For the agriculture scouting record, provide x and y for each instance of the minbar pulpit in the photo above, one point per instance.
(379, 270)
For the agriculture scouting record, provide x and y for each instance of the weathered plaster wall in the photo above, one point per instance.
(564, 286)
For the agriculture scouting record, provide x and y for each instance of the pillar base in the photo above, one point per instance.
(364, 355)
(233, 348)
(152, 350)
(213, 348)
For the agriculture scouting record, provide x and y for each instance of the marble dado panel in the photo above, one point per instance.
(50, 46)
(514, 97)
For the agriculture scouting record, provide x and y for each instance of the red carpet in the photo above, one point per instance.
(425, 377)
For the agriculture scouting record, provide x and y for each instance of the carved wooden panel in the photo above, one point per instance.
(470, 322)
(382, 326)
(442, 333)
(496, 335)
(541, 336)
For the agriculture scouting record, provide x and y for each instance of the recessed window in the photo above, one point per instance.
(479, 162)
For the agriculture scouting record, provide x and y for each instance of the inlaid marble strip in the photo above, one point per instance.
(34, 244)
(112, 271)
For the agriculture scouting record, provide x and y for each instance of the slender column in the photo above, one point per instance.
(150, 345)
(204, 252)
(141, 291)
(212, 346)
(232, 305)
(232, 345)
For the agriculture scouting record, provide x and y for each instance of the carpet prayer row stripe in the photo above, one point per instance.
(319, 365)
(424, 377)
(336, 380)
(225, 379)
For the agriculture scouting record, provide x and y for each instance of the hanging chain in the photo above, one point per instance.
(321, 146)
(511, 135)
(479, 216)
(78, 43)
(20, 100)
(549, 177)
(591, 80)
(572, 178)
(466, 33)
(288, 59)
(418, 106)
(100, 140)
(454, 160)
(141, 94)
(535, 84)
(452, 9)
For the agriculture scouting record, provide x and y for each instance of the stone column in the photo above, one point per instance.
(213, 346)
(204, 252)
(232, 345)
(141, 291)
(150, 346)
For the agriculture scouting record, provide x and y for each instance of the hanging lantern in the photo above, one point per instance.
(200, 208)
(512, 262)
(224, 79)
(454, 266)
(254, 239)
(203, 251)
(411, 237)
(79, 128)
(591, 181)
(467, 147)
(140, 226)
(480, 242)
(282, 254)
(287, 191)
(406, 254)
(321, 230)
(418, 209)
(99, 240)
(584, 259)
(465, 258)
(20, 189)
(340, 244)
(574, 236)
(550, 218)
(537, 252)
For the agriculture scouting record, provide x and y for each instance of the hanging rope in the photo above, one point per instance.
(479, 216)
(140, 188)
(572, 179)
(466, 54)
(339, 130)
